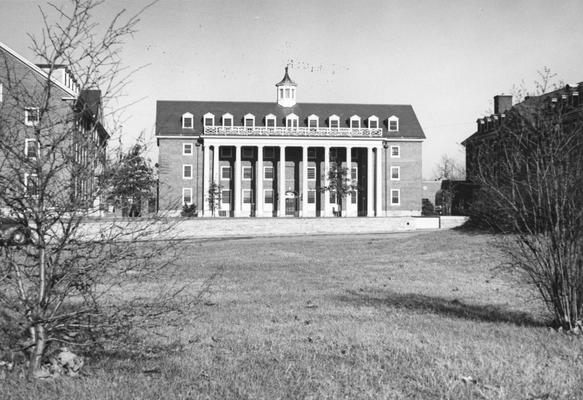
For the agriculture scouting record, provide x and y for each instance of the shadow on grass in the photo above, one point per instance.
(440, 306)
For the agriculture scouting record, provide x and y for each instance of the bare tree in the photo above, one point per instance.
(449, 171)
(340, 184)
(531, 177)
(66, 284)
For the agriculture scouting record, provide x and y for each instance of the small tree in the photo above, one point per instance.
(448, 170)
(339, 183)
(214, 196)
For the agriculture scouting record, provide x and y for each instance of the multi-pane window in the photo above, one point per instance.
(268, 196)
(373, 122)
(354, 173)
(268, 152)
(226, 152)
(332, 197)
(268, 173)
(187, 171)
(247, 152)
(395, 173)
(31, 116)
(31, 184)
(249, 121)
(312, 121)
(393, 123)
(226, 172)
(226, 196)
(355, 122)
(209, 120)
(227, 121)
(353, 197)
(395, 152)
(291, 121)
(334, 122)
(270, 121)
(311, 154)
(187, 196)
(247, 173)
(31, 148)
(311, 196)
(247, 196)
(186, 149)
(311, 173)
(395, 197)
(187, 121)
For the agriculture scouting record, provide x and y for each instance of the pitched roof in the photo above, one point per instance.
(286, 81)
(169, 115)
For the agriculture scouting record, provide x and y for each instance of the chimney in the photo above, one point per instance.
(502, 103)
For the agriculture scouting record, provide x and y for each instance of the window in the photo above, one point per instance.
(395, 173)
(393, 123)
(186, 149)
(31, 184)
(186, 196)
(354, 173)
(247, 196)
(395, 152)
(31, 116)
(268, 152)
(187, 121)
(313, 121)
(353, 197)
(311, 154)
(268, 196)
(247, 152)
(227, 120)
(187, 171)
(311, 197)
(574, 98)
(311, 173)
(291, 121)
(226, 152)
(31, 149)
(395, 197)
(226, 172)
(270, 121)
(287, 93)
(268, 173)
(249, 121)
(332, 197)
(209, 120)
(355, 122)
(334, 121)
(373, 122)
(247, 173)
(226, 196)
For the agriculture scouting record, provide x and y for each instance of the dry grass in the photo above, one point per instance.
(400, 316)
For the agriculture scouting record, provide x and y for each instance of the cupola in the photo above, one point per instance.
(286, 91)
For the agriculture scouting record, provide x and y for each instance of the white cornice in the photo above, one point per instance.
(36, 69)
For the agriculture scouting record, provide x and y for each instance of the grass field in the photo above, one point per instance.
(398, 316)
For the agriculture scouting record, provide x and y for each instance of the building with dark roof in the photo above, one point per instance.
(272, 158)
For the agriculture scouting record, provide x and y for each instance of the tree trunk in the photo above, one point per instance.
(37, 352)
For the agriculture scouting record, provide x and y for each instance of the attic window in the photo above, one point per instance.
(334, 121)
(270, 121)
(209, 120)
(227, 120)
(187, 121)
(355, 122)
(291, 121)
(373, 122)
(249, 120)
(313, 121)
(393, 123)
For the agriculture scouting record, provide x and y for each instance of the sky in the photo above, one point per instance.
(445, 58)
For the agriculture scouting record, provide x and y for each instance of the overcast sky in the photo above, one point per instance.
(445, 58)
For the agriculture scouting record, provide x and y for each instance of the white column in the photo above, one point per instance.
(379, 183)
(369, 183)
(281, 177)
(259, 183)
(205, 180)
(237, 186)
(348, 199)
(304, 181)
(326, 209)
(216, 168)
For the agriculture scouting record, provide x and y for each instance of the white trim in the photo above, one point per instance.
(205, 117)
(354, 197)
(272, 117)
(222, 177)
(185, 116)
(27, 113)
(265, 178)
(227, 115)
(26, 176)
(184, 191)
(355, 118)
(373, 118)
(1, 93)
(246, 117)
(38, 70)
(184, 168)
(247, 152)
(393, 118)
(249, 168)
(26, 142)
(226, 152)
(223, 196)
(308, 173)
(398, 191)
(398, 155)
(184, 146)
(355, 170)
(308, 196)
(291, 117)
(331, 118)
(250, 191)
(272, 196)
(398, 169)
(314, 117)
(269, 152)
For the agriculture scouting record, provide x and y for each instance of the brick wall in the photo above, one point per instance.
(410, 180)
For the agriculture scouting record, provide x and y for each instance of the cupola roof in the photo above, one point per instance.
(286, 81)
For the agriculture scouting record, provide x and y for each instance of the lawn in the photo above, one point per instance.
(423, 315)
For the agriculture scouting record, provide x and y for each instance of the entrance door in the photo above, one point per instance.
(291, 206)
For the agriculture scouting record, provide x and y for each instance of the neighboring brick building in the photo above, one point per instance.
(233, 143)
(51, 133)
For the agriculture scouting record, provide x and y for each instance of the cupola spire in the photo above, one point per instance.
(286, 91)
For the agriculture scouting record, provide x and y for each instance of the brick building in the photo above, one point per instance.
(52, 134)
(270, 158)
